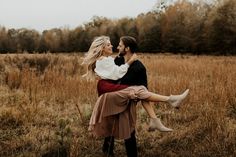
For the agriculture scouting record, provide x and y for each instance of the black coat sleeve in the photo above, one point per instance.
(136, 75)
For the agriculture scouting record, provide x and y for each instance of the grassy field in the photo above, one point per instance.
(45, 107)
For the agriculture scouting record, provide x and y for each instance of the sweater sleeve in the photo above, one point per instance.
(107, 69)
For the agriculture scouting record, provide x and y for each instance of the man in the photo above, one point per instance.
(136, 75)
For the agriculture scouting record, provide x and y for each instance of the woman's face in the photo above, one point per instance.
(107, 50)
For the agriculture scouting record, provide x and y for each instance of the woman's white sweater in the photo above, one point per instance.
(107, 69)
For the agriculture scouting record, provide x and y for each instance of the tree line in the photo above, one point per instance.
(183, 27)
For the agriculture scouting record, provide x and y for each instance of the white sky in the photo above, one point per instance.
(47, 14)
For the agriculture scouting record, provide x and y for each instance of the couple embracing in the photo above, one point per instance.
(122, 83)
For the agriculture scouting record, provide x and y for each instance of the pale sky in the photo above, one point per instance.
(47, 14)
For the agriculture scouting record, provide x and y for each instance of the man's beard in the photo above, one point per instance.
(122, 53)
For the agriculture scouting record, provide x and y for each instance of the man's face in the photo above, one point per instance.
(121, 48)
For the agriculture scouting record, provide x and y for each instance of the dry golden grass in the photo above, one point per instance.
(45, 107)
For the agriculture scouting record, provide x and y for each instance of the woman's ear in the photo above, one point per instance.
(102, 51)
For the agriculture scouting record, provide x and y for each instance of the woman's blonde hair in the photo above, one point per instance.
(94, 52)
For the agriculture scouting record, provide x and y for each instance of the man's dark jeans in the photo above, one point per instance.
(130, 145)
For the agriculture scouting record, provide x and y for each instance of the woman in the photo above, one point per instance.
(99, 62)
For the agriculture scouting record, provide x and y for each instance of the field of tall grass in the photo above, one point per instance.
(45, 107)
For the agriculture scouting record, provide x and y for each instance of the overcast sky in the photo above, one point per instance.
(47, 14)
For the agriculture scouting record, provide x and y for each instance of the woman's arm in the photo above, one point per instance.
(107, 69)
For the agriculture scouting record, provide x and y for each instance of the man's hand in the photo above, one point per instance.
(97, 77)
(134, 57)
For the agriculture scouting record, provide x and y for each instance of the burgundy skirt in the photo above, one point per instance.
(105, 86)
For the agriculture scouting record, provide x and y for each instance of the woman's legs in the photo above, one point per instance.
(155, 122)
(173, 100)
(149, 109)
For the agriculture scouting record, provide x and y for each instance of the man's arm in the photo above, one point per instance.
(136, 75)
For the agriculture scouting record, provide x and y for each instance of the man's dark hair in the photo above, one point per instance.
(130, 42)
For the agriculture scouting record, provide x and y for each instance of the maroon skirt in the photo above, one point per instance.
(105, 86)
